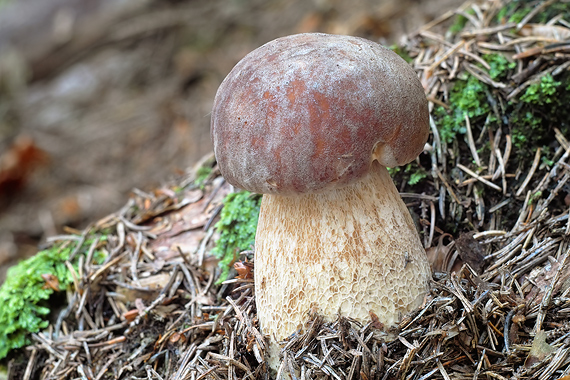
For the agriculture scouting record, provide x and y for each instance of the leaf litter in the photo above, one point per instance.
(499, 304)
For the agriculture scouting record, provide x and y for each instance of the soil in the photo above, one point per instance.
(99, 97)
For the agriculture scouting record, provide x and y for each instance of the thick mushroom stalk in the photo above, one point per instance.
(349, 251)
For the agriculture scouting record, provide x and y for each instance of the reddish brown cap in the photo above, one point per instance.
(309, 112)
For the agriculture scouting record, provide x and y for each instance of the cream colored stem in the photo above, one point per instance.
(352, 250)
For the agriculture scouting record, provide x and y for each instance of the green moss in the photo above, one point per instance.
(534, 197)
(412, 173)
(470, 97)
(541, 106)
(458, 24)
(519, 14)
(402, 52)
(24, 296)
(500, 65)
(201, 175)
(531, 115)
(541, 93)
(237, 226)
(416, 177)
(516, 10)
(513, 11)
(467, 97)
(557, 9)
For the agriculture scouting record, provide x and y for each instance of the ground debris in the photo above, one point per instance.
(499, 303)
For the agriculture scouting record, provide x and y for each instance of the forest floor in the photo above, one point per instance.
(138, 289)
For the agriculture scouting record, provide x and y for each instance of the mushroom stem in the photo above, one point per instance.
(348, 251)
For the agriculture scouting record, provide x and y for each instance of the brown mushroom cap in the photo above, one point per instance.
(310, 112)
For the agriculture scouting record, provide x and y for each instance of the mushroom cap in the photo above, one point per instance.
(310, 112)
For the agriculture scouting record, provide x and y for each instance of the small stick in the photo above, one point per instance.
(533, 13)
(500, 205)
(502, 169)
(530, 173)
(471, 142)
(446, 55)
(451, 192)
(488, 233)
(479, 178)
(431, 225)
(523, 211)
(490, 30)
(31, 364)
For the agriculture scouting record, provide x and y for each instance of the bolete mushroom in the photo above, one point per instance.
(312, 121)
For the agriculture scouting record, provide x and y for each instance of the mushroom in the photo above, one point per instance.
(312, 121)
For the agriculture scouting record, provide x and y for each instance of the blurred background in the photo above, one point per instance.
(98, 97)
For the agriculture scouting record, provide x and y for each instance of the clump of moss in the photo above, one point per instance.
(469, 96)
(513, 11)
(500, 65)
(542, 105)
(201, 175)
(25, 294)
(458, 24)
(532, 113)
(237, 226)
(412, 173)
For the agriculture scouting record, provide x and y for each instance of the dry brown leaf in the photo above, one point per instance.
(439, 256)
(244, 270)
(470, 251)
(539, 350)
(376, 321)
(163, 311)
(18, 163)
(51, 282)
(155, 282)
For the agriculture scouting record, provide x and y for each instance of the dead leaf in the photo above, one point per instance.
(177, 337)
(139, 304)
(205, 300)
(470, 251)
(539, 350)
(542, 277)
(52, 282)
(244, 270)
(18, 163)
(164, 311)
(155, 282)
(440, 257)
(375, 321)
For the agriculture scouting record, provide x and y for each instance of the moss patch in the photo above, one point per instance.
(237, 226)
(530, 115)
(25, 294)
